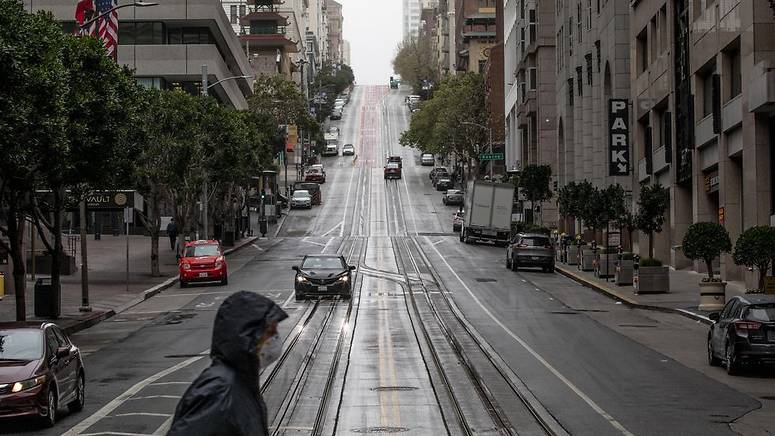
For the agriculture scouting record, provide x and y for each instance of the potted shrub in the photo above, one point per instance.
(755, 248)
(652, 276)
(706, 241)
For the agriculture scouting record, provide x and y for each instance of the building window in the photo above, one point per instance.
(140, 33)
(233, 14)
(242, 10)
(588, 58)
(579, 80)
(642, 50)
(570, 91)
(589, 14)
(570, 36)
(735, 77)
(578, 19)
(532, 26)
(597, 6)
(532, 76)
(522, 9)
(707, 92)
(599, 56)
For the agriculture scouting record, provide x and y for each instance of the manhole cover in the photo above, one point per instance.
(393, 388)
(176, 318)
(480, 280)
(381, 429)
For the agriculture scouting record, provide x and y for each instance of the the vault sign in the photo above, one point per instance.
(618, 137)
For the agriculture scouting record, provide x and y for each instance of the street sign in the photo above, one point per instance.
(491, 156)
(614, 239)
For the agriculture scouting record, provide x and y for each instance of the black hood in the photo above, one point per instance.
(325, 273)
(241, 320)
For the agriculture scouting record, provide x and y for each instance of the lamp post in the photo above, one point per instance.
(205, 88)
(489, 133)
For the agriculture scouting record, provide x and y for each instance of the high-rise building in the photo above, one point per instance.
(593, 72)
(346, 59)
(167, 45)
(411, 17)
(335, 23)
(474, 33)
(703, 103)
(530, 103)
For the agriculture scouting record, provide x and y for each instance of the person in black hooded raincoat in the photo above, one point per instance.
(225, 398)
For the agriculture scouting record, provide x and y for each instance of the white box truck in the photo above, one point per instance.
(488, 212)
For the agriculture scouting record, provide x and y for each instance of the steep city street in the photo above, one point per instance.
(438, 338)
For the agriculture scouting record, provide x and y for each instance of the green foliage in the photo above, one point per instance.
(649, 261)
(652, 204)
(443, 125)
(535, 181)
(523, 227)
(329, 82)
(415, 61)
(573, 198)
(282, 100)
(706, 241)
(755, 248)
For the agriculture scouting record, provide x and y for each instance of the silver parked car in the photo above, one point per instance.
(452, 196)
(301, 198)
(530, 250)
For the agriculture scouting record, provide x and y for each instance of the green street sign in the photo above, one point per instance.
(491, 156)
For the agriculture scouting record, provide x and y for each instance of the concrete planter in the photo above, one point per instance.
(652, 280)
(605, 264)
(624, 272)
(586, 259)
(712, 296)
(572, 255)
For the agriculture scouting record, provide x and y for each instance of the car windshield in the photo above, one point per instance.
(761, 312)
(300, 193)
(535, 241)
(348, 146)
(453, 192)
(392, 166)
(202, 250)
(313, 171)
(323, 263)
(21, 344)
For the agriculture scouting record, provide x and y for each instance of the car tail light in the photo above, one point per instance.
(186, 266)
(745, 327)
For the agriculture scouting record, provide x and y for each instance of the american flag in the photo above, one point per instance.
(107, 27)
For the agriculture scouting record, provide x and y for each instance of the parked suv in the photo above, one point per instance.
(530, 250)
(743, 332)
(392, 171)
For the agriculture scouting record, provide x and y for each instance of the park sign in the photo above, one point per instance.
(619, 137)
(491, 156)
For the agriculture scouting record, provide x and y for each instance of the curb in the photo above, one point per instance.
(624, 299)
(99, 316)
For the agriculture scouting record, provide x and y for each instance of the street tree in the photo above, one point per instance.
(414, 61)
(281, 99)
(706, 241)
(652, 204)
(534, 182)
(755, 248)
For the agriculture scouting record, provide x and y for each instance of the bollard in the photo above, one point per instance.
(2, 285)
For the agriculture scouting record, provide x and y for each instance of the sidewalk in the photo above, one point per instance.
(108, 293)
(683, 297)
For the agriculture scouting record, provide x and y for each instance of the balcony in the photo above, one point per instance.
(761, 89)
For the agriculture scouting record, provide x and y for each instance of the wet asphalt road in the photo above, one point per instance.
(368, 363)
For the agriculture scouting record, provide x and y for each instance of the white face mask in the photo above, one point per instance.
(270, 351)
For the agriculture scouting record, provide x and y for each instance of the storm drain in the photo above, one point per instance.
(768, 397)
(480, 280)
(381, 429)
(394, 388)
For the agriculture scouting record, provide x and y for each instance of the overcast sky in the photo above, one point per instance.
(373, 28)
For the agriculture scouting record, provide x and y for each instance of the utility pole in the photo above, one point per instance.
(85, 307)
(205, 224)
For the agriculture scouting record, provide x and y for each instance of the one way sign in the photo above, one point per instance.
(619, 137)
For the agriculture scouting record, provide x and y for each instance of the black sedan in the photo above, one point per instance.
(322, 274)
(444, 184)
(744, 332)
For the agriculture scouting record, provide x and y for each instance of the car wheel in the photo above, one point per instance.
(550, 269)
(80, 396)
(712, 359)
(514, 265)
(51, 409)
(301, 297)
(730, 363)
(508, 263)
(183, 284)
(225, 281)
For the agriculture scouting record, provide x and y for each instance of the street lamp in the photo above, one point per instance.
(205, 88)
(138, 4)
(489, 132)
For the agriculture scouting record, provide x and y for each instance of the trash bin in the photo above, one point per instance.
(44, 298)
(262, 226)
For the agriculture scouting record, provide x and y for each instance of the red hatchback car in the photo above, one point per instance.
(203, 261)
(40, 372)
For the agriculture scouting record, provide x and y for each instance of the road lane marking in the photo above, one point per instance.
(325, 247)
(313, 242)
(164, 428)
(121, 415)
(257, 247)
(153, 397)
(599, 410)
(114, 433)
(438, 242)
(79, 428)
(170, 383)
(288, 300)
(333, 228)
(347, 202)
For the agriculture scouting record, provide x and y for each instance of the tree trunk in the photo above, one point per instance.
(154, 230)
(15, 237)
(709, 265)
(651, 245)
(56, 254)
(762, 276)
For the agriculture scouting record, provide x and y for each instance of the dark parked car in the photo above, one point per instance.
(433, 172)
(743, 332)
(41, 371)
(322, 274)
(444, 184)
(530, 250)
(314, 191)
(392, 171)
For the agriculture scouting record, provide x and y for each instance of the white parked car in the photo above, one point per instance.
(427, 159)
(301, 198)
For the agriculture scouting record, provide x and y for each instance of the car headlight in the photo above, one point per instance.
(301, 279)
(186, 266)
(218, 264)
(344, 279)
(28, 384)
